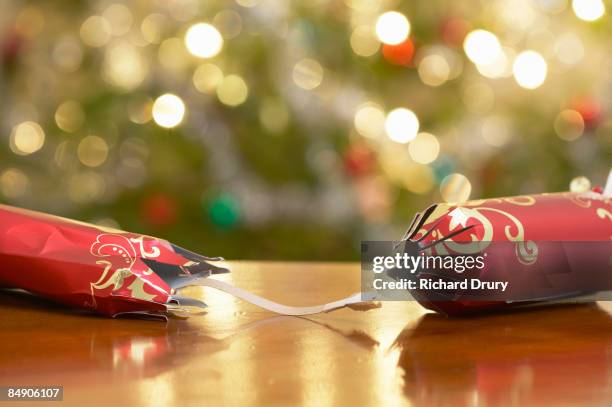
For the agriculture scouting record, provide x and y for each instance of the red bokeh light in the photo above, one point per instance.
(400, 54)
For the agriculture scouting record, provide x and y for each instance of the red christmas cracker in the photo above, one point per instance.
(105, 270)
(559, 244)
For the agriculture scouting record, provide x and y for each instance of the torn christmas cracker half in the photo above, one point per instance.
(111, 272)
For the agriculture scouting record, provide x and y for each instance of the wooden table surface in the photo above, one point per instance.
(237, 354)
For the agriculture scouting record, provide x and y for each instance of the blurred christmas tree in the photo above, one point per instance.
(292, 130)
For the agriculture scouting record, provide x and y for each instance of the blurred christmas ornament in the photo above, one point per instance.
(224, 211)
(400, 54)
(160, 210)
(12, 44)
(589, 108)
(454, 31)
(359, 160)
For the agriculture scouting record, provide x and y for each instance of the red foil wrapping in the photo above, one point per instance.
(558, 233)
(107, 271)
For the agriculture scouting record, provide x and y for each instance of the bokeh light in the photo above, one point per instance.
(482, 47)
(569, 49)
(400, 54)
(402, 125)
(229, 23)
(424, 149)
(27, 138)
(173, 55)
(529, 69)
(168, 110)
(308, 74)
(232, 91)
(364, 41)
(455, 188)
(92, 151)
(152, 27)
(123, 66)
(96, 31)
(140, 109)
(552, 6)
(203, 40)
(247, 3)
(69, 116)
(588, 10)
(119, 17)
(207, 77)
(183, 10)
(392, 28)
(499, 67)
(370, 120)
(518, 14)
(434, 70)
(569, 125)
(68, 54)
(14, 183)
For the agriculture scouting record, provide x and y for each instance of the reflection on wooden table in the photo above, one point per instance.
(239, 354)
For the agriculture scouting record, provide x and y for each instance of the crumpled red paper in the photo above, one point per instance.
(545, 238)
(107, 271)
